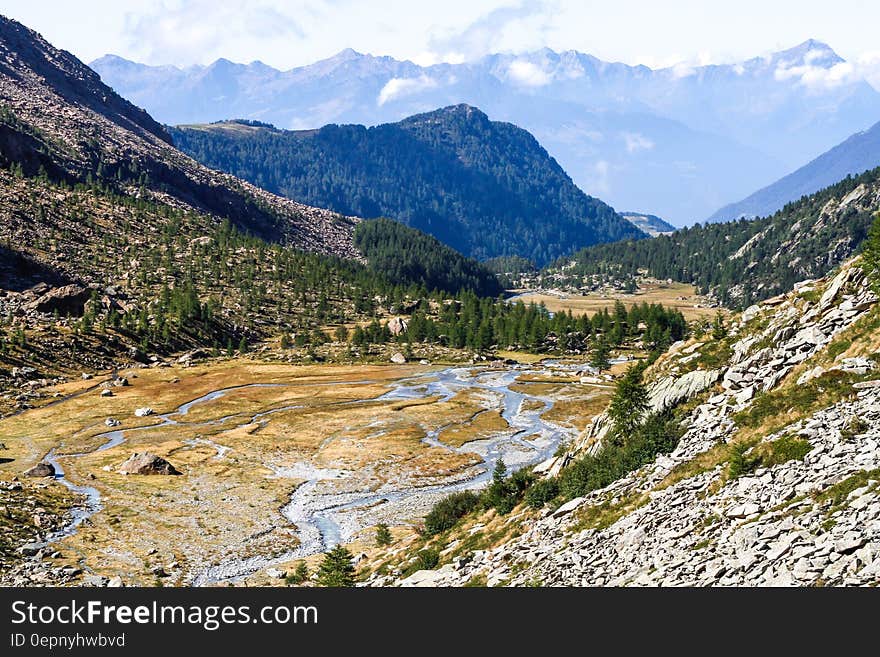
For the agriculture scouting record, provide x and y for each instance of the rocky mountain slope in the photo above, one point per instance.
(485, 188)
(744, 261)
(57, 116)
(854, 156)
(681, 140)
(118, 249)
(649, 224)
(773, 482)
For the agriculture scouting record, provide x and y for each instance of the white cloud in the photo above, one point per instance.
(599, 179)
(527, 74)
(636, 142)
(864, 67)
(513, 26)
(204, 30)
(399, 87)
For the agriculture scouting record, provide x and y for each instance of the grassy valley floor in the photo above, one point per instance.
(279, 461)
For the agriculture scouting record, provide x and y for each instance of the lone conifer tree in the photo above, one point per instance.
(337, 569)
(600, 356)
(629, 403)
(383, 535)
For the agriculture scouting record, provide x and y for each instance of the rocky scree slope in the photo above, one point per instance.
(55, 113)
(774, 481)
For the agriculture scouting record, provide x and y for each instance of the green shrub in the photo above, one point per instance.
(740, 464)
(782, 450)
(837, 347)
(383, 535)
(542, 492)
(448, 511)
(854, 426)
(504, 493)
(659, 434)
(830, 387)
(427, 559)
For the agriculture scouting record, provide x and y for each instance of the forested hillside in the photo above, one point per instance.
(748, 260)
(485, 188)
(410, 257)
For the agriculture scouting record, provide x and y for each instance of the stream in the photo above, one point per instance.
(324, 518)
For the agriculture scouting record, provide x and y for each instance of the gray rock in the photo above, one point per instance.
(31, 549)
(41, 469)
(568, 507)
(147, 464)
(397, 326)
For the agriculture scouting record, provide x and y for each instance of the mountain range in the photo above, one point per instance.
(859, 153)
(678, 142)
(484, 187)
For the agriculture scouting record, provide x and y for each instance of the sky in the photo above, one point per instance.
(290, 33)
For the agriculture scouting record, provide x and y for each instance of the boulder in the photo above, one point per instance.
(106, 392)
(671, 391)
(808, 336)
(834, 288)
(147, 464)
(41, 469)
(809, 375)
(857, 365)
(275, 573)
(398, 358)
(750, 313)
(31, 549)
(397, 325)
(66, 300)
(568, 507)
(745, 395)
(143, 412)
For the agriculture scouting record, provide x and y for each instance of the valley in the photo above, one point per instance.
(417, 353)
(279, 462)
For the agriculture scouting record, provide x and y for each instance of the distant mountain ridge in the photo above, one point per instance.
(857, 154)
(682, 141)
(484, 187)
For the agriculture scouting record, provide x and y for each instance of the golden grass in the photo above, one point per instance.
(678, 295)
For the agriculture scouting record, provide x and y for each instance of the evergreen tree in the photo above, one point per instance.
(337, 569)
(629, 403)
(300, 574)
(599, 358)
(383, 535)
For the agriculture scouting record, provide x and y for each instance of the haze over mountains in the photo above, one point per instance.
(858, 154)
(677, 142)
